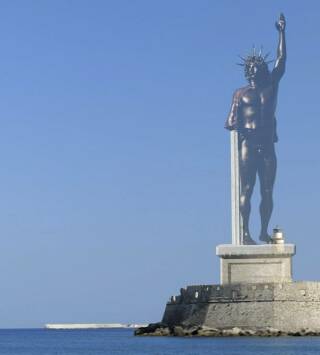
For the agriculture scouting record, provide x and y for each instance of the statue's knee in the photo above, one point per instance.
(266, 194)
(243, 200)
(246, 189)
(246, 192)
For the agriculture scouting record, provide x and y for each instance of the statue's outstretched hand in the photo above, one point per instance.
(281, 23)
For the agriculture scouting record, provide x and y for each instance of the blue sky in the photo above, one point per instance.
(114, 180)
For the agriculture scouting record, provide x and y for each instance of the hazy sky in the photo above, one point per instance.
(114, 180)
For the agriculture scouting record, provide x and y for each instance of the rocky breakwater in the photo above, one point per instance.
(161, 329)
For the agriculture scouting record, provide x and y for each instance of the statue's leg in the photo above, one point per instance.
(248, 172)
(267, 168)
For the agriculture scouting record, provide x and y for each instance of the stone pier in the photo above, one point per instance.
(256, 296)
(287, 307)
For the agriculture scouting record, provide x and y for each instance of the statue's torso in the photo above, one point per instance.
(256, 110)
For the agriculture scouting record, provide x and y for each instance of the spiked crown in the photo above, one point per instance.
(255, 59)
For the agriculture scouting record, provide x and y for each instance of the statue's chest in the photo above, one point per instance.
(257, 98)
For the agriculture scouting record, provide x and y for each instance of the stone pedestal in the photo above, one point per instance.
(256, 293)
(256, 296)
(255, 263)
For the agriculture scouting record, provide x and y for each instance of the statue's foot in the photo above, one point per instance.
(265, 237)
(247, 240)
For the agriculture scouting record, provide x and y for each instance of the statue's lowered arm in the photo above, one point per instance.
(232, 120)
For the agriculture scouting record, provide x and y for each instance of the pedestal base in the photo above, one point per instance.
(287, 307)
(255, 263)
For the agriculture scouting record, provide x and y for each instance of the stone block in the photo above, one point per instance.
(255, 263)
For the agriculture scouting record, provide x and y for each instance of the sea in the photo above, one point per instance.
(122, 341)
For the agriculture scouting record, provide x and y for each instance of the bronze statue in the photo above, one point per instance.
(252, 115)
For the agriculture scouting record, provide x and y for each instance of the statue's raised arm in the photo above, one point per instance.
(280, 64)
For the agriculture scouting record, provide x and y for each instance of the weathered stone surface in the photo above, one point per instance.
(285, 307)
(255, 263)
(231, 250)
(208, 332)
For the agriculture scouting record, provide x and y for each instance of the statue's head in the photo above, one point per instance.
(256, 67)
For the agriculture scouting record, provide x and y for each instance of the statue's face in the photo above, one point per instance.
(256, 71)
(253, 70)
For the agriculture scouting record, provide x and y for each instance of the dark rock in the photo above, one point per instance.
(159, 329)
(162, 329)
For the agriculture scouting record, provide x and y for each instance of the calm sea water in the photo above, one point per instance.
(118, 342)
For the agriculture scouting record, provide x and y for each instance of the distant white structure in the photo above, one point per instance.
(92, 326)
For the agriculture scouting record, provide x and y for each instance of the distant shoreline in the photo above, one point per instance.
(56, 326)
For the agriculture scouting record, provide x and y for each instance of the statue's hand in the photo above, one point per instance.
(281, 23)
